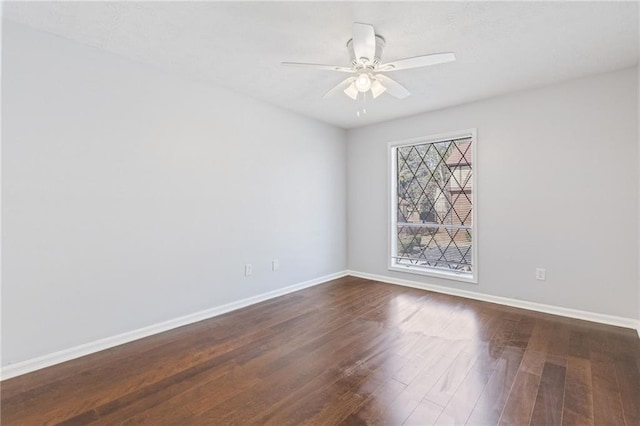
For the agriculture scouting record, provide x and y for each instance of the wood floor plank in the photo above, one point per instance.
(536, 352)
(629, 385)
(578, 396)
(371, 411)
(351, 351)
(607, 402)
(522, 334)
(426, 413)
(466, 396)
(519, 406)
(558, 347)
(549, 400)
(626, 355)
(489, 406)
(447, 385)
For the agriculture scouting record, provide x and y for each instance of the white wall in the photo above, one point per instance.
(557, 178)
(130, 196)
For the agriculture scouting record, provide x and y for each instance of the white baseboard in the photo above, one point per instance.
(516, 303)
(19, 368)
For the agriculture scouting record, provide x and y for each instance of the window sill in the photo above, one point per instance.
(472, 279)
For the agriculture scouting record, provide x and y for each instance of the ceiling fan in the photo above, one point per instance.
(366, 68)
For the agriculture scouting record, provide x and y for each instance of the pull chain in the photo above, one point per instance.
(363, 111)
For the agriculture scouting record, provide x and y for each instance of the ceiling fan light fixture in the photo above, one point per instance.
(351, 91)
(363, 83)
(377, 89)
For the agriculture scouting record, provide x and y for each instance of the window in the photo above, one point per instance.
(432, 197)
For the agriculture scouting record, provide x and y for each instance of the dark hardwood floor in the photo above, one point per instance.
(350, 351)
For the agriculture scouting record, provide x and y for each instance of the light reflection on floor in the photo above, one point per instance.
(441, 352)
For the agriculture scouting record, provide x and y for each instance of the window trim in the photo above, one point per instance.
(393, 205)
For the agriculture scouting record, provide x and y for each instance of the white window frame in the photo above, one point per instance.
(393, 207)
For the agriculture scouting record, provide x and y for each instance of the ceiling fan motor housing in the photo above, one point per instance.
(372, 63)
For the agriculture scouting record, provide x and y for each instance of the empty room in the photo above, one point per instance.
(323, 213)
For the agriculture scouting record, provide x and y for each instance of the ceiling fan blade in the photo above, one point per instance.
(364, 42)
(340, 87)
(418, 61)
(318, 66)
(394, 88)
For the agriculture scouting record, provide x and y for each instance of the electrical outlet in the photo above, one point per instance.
(541, 274)
(248, 270)
(275, 264)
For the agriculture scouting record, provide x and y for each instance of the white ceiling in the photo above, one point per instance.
(500, 46)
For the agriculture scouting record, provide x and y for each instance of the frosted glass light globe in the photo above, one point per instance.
(363, 83)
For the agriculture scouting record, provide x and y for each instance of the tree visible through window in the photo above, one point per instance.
(433, 217)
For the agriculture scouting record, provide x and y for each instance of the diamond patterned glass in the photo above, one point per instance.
(434, 185)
